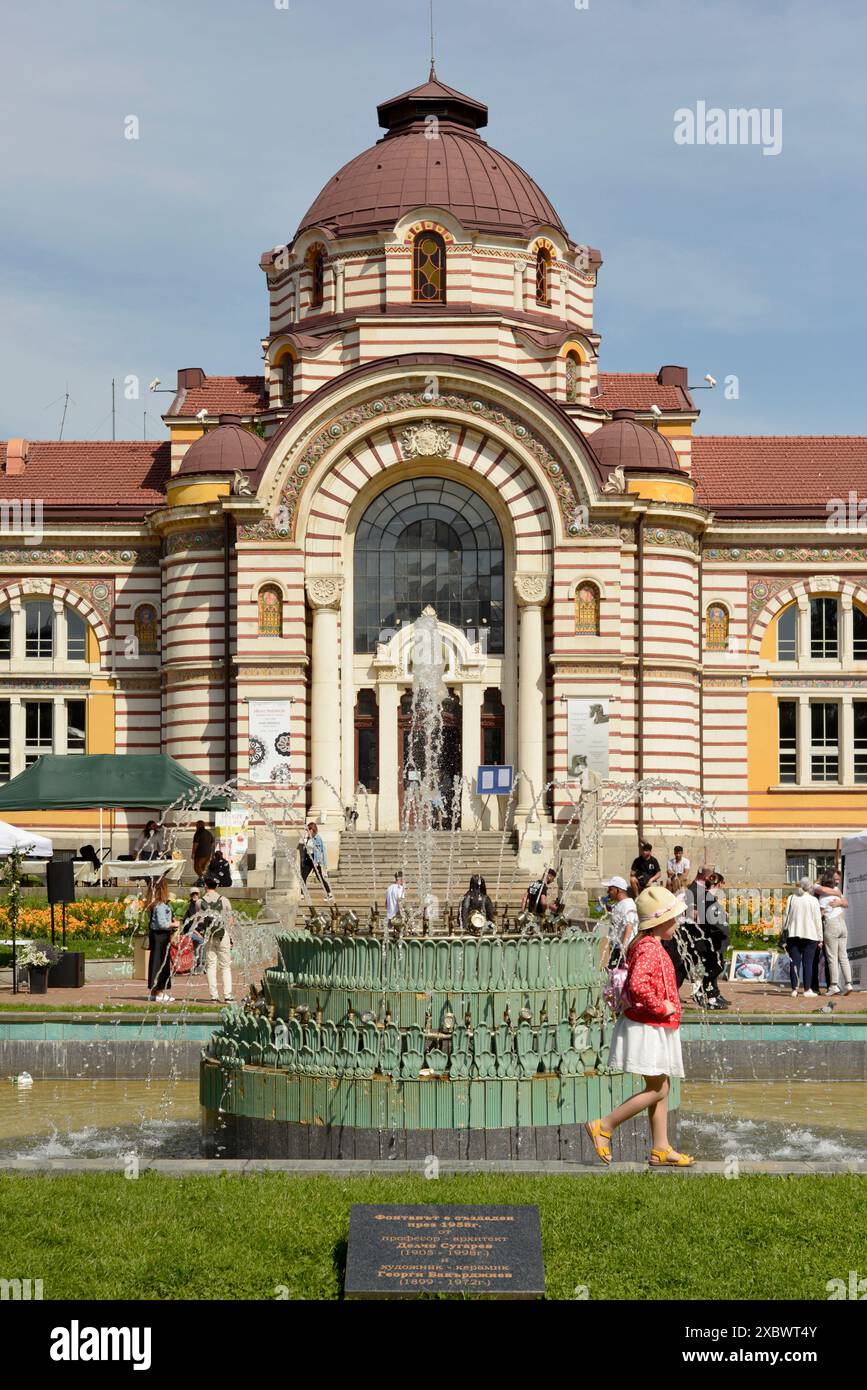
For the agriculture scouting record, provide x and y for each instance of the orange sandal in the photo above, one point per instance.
(669, 1158)
(598, 1135)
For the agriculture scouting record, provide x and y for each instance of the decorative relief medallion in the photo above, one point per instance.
(325, 590)
(426, 440)
(672, 536)
(193, 540)
(532, 589)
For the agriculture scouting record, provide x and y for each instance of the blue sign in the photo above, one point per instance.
(495, 780)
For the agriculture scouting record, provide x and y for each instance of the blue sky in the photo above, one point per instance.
(138, 257)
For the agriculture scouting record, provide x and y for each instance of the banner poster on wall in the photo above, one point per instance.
(230, 834)
(855, 890)
(587, 736)
(269, 741)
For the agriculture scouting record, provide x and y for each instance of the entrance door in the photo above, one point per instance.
(411, 759)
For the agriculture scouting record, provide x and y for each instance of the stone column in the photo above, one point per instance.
(388, 806)
(847, 741)
(805, 735)
(16, 733)
(532, 593)
(324, 593)
(60, 724)
(803, 628)
(847, 630)
(471, 748)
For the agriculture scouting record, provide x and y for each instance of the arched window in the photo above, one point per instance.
(587, 610)
(543, 276)
(859, 633)
(429, 269)
(572, 370)
(145, 627)
(429, 541)
(317, 278)
(716, 628)
(270, 611)
(287, 381)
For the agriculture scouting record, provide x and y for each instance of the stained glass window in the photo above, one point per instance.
(587, 611)
(429, 269)
(572, 377)
(145, 623)
(717, 634)
(270, 611)
(429, 541)
(543, 276)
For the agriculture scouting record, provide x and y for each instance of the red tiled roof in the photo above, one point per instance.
(638, 391)
(90, 473)
(778, 473)
(222, 395)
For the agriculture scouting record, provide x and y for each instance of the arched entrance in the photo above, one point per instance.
(411, 754)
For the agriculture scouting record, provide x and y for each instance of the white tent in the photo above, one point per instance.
(37, 846)
(854, 849)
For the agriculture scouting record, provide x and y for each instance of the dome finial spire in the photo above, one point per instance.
(433, 69)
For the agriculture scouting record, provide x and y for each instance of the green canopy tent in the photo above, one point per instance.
(105, 781)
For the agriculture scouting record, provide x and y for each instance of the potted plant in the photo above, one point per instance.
(38, 961)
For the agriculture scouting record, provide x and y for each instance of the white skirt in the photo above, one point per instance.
(645, 1048)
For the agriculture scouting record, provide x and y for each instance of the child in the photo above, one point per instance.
(646, 1038)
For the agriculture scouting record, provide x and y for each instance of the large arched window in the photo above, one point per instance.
(429, 541)
(543, 276)
(429, 268)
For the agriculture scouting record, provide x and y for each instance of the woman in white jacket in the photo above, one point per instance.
(802, 924)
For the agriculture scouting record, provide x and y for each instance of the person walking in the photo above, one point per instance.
(835, 934)
(216, 918)
(802, 928)
(313, 859)
(646, 1038)
(203, 848)
(394, 896)
(623, 918)
(161, 927)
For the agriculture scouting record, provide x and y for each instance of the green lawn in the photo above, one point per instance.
(634, 1236)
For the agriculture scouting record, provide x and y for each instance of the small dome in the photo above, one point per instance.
(228, 448)
(407, 170)
(624, 443)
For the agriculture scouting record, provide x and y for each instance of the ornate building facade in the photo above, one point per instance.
(432, 430)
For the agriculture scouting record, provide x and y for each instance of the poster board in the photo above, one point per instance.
(270, 741)
(587, 726)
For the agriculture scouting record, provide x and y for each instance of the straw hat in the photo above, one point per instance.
(656, 905)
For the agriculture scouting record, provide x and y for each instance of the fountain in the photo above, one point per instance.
(414, 1040)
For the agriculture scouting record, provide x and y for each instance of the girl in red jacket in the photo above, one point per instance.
(646, 1038)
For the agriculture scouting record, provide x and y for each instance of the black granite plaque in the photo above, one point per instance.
(402, 1252)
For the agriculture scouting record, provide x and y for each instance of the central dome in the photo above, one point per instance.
(454, 170)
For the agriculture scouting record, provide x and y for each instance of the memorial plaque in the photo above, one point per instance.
(402, 1252)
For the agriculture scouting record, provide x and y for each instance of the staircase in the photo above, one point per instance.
(453, 859)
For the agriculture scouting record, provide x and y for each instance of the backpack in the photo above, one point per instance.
(213, 920)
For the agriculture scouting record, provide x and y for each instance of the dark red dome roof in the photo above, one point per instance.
(456, 171)
(228, 448)
(624, 443)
